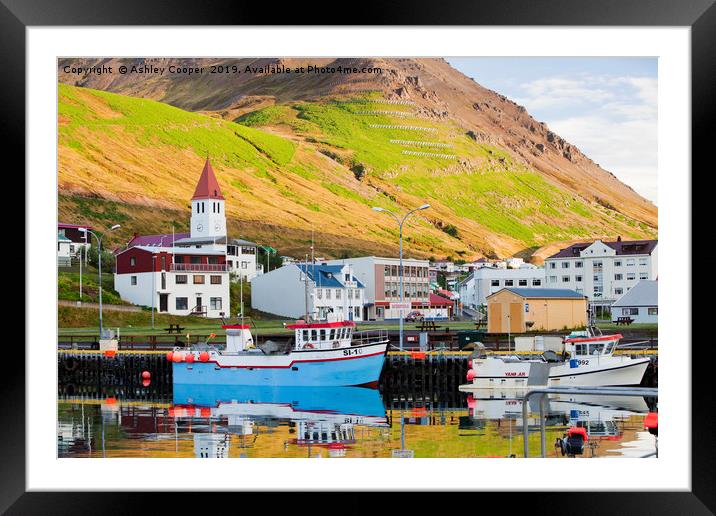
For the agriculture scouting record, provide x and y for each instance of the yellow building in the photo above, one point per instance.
(518, 310)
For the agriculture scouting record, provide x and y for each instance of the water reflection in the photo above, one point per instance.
(236, 422)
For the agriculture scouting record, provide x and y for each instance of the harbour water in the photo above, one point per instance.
(107, 409)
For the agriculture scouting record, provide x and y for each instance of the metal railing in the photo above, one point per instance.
(360, 338)
(649, 392)
(199, 267)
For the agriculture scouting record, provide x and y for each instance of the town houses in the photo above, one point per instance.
(320, 291)
(603, 271)
(187, 273)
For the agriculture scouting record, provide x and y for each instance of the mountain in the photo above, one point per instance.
(295, 151)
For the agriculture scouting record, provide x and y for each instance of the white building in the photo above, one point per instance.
(603, 271)
(327, 289)
(242, 258)
(641, 303)
(485, 281)
(64, 255)
(183, 274)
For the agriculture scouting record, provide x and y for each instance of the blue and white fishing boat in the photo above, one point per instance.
(321, 354)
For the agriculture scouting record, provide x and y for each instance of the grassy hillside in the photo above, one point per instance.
(287, 168)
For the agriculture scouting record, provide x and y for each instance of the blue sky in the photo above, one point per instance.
(605, 106)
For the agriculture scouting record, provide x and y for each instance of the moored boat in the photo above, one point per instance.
(321, 354)
(586, 359)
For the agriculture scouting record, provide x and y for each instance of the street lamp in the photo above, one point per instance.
(402, 274)
(99, 266)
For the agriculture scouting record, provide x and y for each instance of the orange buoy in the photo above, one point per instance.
(470, 374)
(170, 355)
(189, 358)
(205, 412)
(203, 356)
(178, 357)
(146, 382)
(110, 353)
(146, 375)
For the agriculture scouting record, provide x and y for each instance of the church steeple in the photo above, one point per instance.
(207, 206)
(208, 186)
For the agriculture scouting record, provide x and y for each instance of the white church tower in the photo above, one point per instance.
(208, 219)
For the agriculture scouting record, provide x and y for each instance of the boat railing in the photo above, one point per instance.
(369, 337)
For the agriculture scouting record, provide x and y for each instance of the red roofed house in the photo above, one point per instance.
(184, 273)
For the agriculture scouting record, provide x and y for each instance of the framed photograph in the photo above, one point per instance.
(441, 238)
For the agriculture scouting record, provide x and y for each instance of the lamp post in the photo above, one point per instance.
(402, 273)
(99, 266)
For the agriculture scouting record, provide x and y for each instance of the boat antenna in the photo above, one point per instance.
(305, 279)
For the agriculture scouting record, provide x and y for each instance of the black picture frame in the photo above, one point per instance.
(17, 15)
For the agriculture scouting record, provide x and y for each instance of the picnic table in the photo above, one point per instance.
(427, 326)
(626, 321)
(174, 328)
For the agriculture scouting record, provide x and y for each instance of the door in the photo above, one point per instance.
(199, 307)
(163, 302)
(494, 318)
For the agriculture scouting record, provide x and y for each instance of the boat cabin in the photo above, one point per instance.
(581, 344)
(322, 335)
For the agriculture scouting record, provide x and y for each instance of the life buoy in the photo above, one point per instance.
(308, 346)
(71, 364)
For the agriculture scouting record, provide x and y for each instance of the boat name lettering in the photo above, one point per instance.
(349, 352)
(521, 373)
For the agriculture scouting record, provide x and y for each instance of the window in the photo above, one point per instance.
(565, 279)
(565, 265)
(132, 261)
(578, 279)
(180, 279)
(642, 261)
(508, 282)
(323, 334)
(617, 263)
(630, 311)
(631, 262)
(631, 276)
(182, 303)
(522, 283)
(618, 291)
(643, 275)
(578, 265)
(319, 293)
(495, 283)
(195, 259)
(216, 280)
(553, 279)
(328, 293)
(618, 277)
(244, 265)
(198, 279)
(552, 265)
(653, 311)
(133, 280)
(338, 293)
(536, 283)
(215, 303)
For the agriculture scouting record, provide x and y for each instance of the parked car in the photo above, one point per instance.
(415, 316)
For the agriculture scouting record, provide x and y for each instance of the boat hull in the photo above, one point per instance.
(628, 372)
(612, 371)
(360, 365)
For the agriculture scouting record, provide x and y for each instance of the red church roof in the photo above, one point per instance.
(208, 186)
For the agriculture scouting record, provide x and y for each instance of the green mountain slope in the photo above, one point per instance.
(320, 164)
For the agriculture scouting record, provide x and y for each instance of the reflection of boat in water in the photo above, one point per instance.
(586, 359)
(324, 417)
(320, 354)
(599, 415)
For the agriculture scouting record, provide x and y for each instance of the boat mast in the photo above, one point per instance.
(305, 279)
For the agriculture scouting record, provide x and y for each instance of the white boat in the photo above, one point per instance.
(587, 360)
